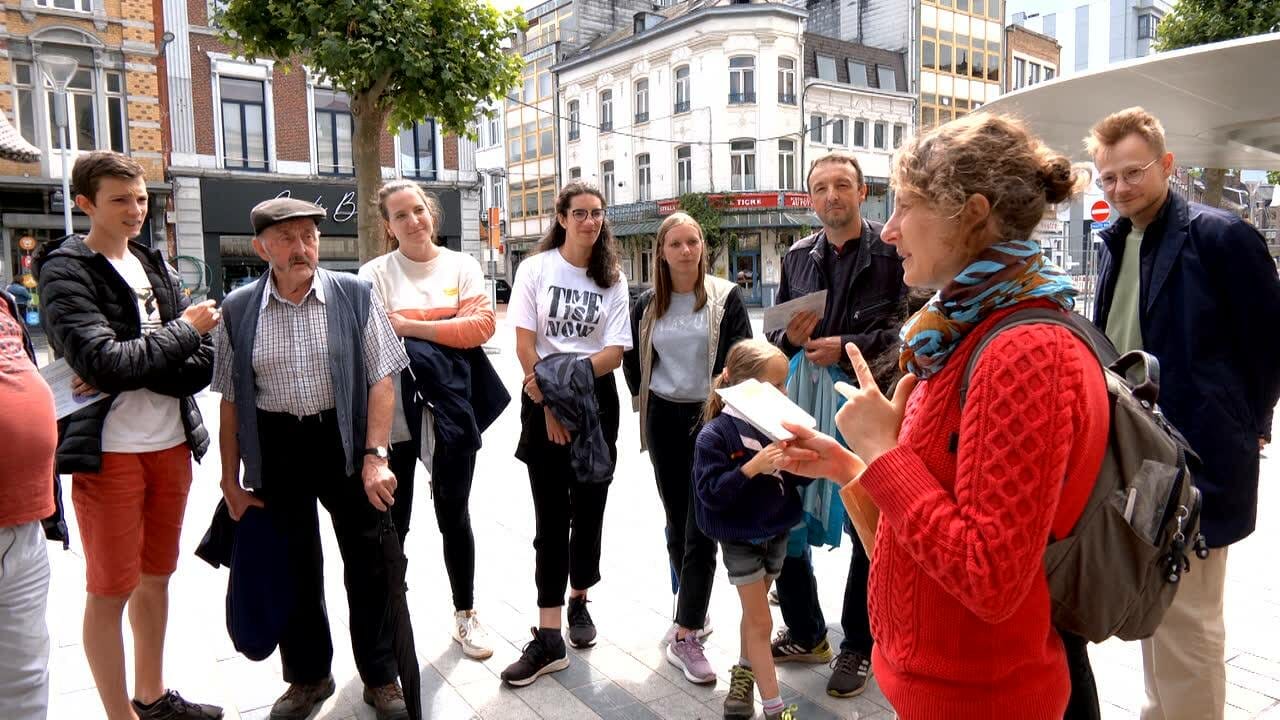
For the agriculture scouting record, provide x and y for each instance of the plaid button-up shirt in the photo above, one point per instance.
(291, 353)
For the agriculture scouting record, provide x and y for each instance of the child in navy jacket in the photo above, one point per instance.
(749, 506)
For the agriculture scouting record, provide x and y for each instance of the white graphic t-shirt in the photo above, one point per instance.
(566, 309)
(141, 420)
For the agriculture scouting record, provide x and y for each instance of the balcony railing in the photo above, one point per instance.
(606, 126)
(682, 106)
(787, 99)
(642, 117)
(573, 134)
(741, 98)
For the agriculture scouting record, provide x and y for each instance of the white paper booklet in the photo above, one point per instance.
(766, 408)
(778, 316)
(58, 374)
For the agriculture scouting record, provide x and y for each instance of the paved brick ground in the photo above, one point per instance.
(626, 675)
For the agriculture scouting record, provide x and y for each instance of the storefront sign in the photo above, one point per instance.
(27, 243)
(226, 205)
(740, 202)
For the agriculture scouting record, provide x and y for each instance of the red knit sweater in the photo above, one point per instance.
(957, 598)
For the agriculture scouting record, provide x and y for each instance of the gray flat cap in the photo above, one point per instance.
(269, 212)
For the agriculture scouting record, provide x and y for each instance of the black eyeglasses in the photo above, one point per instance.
(1132, 176)
(581, 215)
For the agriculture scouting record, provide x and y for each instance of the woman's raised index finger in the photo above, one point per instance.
(866, 380)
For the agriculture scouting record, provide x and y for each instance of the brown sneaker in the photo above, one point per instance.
(299, 700)
(387, 702)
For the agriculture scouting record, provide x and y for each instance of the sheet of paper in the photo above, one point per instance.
(777, 317)
(59, 375)
(765, 407)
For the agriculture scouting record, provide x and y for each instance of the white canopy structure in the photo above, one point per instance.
(1219, 103)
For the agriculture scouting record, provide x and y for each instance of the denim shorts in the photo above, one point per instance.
(750, 561)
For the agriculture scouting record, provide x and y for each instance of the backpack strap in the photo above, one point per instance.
(1097, 343)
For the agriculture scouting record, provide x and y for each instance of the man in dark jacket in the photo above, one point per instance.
(863, 280)
(1195, 287)
(113, 311)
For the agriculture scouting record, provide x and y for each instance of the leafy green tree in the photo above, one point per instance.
(704, 209)
(1273, 177)
(1197, 22)
(399, 60)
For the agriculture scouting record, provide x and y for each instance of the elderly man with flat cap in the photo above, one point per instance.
(304, 360)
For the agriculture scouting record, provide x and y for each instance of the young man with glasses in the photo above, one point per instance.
(1195, 287)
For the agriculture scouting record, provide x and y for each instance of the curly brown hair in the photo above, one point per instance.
(990, 155)
(602, 267)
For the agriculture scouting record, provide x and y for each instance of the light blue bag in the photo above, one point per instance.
(813, 388)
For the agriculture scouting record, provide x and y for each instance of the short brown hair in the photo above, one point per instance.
(990, 155)
(433, 206)
(839, 156)
(1120, 125)
(91, 168)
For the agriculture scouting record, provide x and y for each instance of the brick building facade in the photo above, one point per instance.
(1030, 57)
(245, 131)
(114, 99)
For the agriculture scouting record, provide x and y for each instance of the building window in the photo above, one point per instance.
(684, 170)
(530, 141)
(333, 132)
(418, 150)
(993, 68)
(826, 67)
(606, 111)
(575, 173)
(244, 123)
(546, 132)
(742, 80)
(816, 132)
(928, 55)
(575, 120)
(786, 81)
(899, 133)
(944, 57)
(495, 192)
(742, 165)
(887, 78)
(977, 65)
(786, 165)
(1019, 73)
(644, 178)
(682, 89)
(81, 5)
(642, 101)
(517, 205)
(495, 131)
(838, 132)
(25, 111)
(83, 124)
(858, 74)
(1146, 26)
(606, 181)
(117, 120)
(860, 133)
(1048, 73)
(544, 84)
(1035, 73)
(880, 140)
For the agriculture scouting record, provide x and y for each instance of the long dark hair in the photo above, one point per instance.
(602, 267)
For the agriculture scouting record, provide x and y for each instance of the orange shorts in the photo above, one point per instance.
(130, 516)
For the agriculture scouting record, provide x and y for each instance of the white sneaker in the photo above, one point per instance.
(471, 635)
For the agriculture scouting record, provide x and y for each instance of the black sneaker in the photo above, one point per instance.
(787, 650)
(851, 671)
(172, 706)
(537, 660)
(582, 631)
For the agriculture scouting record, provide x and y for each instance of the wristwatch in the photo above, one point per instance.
(379, 452)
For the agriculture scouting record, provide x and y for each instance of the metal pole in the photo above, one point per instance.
(64, 129)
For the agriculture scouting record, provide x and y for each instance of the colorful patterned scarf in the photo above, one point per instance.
(1004, 274)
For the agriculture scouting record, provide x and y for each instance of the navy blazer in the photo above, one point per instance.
(1209, 309)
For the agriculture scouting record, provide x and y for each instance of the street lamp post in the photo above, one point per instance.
(59, 69)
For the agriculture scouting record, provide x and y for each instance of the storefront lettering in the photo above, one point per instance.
(345, 211)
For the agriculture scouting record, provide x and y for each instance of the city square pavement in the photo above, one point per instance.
(626, 674)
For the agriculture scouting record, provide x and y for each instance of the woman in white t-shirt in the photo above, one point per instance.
(436, 294)
(570, 297)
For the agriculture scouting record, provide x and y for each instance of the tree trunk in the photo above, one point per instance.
(368, 121)
(1213, 186)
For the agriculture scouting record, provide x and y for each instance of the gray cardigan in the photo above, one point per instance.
(347, 302)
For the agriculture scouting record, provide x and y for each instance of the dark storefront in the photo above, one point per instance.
(228, 236)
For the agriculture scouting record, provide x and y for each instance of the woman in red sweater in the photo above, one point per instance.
(968, 499)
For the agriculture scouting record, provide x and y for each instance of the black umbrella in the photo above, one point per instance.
(397, 615)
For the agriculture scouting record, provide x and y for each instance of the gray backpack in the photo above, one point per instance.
(1117, 571)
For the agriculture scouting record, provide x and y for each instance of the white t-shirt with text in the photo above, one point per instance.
(141, 420)
(567, 310)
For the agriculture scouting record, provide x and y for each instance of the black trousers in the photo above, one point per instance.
(1083, 704)
(451, 476)
(802, 613)
(302, 462)
(671, 429)
(569, 515)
